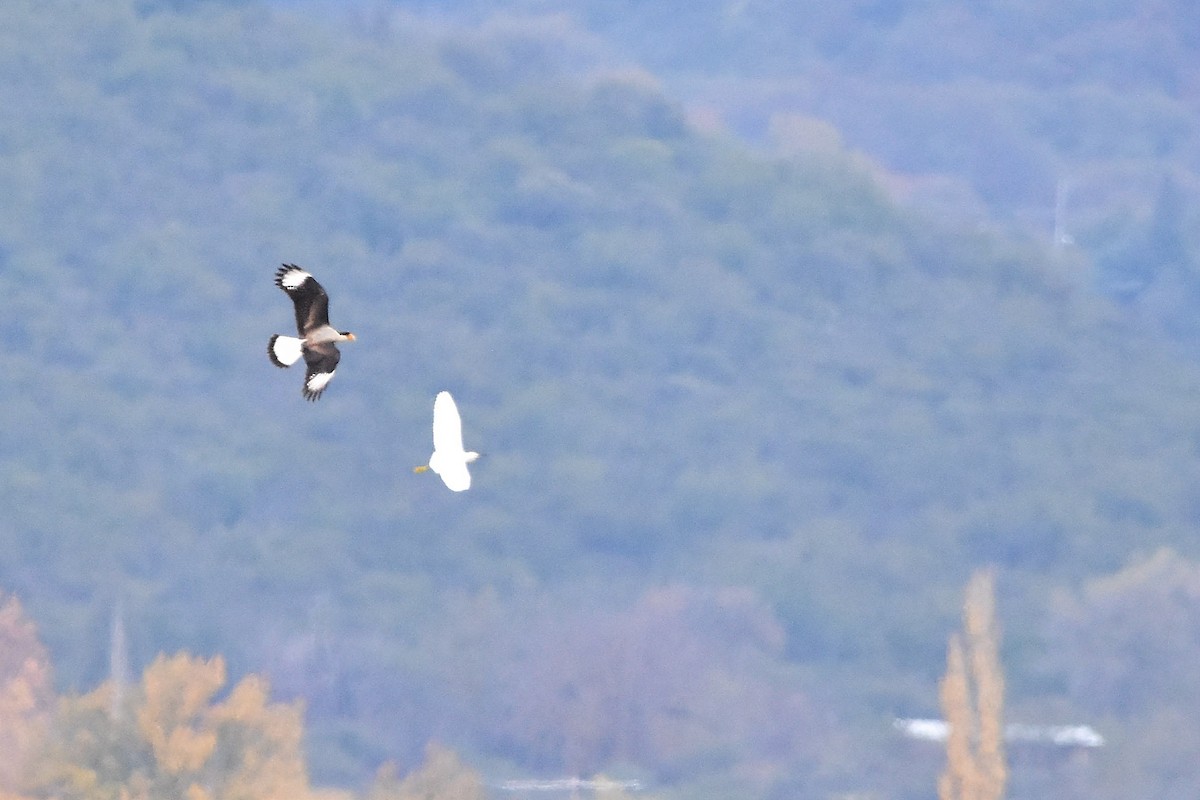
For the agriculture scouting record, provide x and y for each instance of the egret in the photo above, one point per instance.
(449, 460)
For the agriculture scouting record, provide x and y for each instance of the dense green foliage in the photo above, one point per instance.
(1064, 117)
(749, 424)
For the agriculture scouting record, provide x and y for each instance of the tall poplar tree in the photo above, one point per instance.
(972, 697)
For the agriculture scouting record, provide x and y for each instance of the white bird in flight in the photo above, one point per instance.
(449, 460)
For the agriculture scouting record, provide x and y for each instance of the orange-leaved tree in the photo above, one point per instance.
(177, 740)
(442, 777)
(26, 697)
(972, 695)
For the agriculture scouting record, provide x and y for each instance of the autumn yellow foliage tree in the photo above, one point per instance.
(26, 696)
(177, 741)
(972, 698)
(170, 737)
(443, 776)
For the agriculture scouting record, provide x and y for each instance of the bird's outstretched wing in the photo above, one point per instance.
(447, 425)
(321, 360)
(312, 304)
(456, 476)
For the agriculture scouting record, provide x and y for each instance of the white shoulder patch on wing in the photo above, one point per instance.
(317, 382)
(293, 278)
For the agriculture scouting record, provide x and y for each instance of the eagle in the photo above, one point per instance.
(318, 339)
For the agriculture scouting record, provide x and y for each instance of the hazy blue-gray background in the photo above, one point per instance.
(774, 319)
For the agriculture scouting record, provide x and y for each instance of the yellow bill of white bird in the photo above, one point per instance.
(449, 460)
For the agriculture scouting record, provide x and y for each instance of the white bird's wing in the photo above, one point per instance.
(456, 477)
(447, 427)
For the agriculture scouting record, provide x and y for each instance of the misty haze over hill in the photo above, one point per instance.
(753, 308)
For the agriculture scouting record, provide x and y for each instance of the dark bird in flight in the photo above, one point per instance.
(318, 339)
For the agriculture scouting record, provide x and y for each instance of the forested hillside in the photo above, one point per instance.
(1073, 120)
(749, 423)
